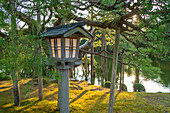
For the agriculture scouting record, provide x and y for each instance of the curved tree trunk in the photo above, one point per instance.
(114, 71)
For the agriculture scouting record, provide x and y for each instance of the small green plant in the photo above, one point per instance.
(107, 84)
(3, 76)
(124, 87)
(137, 87)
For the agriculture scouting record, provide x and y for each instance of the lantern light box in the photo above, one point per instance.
(61, 44)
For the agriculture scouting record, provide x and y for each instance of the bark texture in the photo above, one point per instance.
(16, 89)
(121, 73)
(40, 78)
(114, 70)
(92, 67)
(85, 66)
(137, 76)
(14, 73)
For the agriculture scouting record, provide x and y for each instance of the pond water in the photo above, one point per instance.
(150, 85)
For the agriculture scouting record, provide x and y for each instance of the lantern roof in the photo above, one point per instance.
(66, 30)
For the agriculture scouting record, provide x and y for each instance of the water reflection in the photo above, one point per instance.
(165, 68)
(150, 86)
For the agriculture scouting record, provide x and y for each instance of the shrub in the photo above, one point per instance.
(124, 87)
(137, 87)
(3, 76)
(107, 84)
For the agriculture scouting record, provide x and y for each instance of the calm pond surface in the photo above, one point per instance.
(150, 85)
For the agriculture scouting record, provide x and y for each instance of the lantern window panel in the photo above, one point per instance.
(67, 42)
(67, 53)
(74, 53)
(67, 46)
(74, 48)
(58, 42)
(74, 43)
(56, 47)
(59, 53)
(70, 47)
(52, 47)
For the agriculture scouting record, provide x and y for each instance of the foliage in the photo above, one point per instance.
(124, 87)
(107, 84)
(137, 87)
(22, 52)
(3, 76)
(143, 24)
(144, 29)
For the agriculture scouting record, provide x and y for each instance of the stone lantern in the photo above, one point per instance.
(61, 44)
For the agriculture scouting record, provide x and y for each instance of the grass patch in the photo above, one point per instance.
(84, 98)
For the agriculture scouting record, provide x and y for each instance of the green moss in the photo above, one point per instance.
(87, 99)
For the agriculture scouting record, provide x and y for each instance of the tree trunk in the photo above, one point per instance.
(121, 73)
(102, 58)
(92, 67)
(92, 56)
(74, 72)
(114, 71)
(40, 84)
(40, 79)
(14, 74)
(137, 76)
(92, 63)
(105, 61)
(88, 68)
(85, 66)
(16, 88)
(71, 73)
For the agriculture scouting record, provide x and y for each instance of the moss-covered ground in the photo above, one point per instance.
(84, 98)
